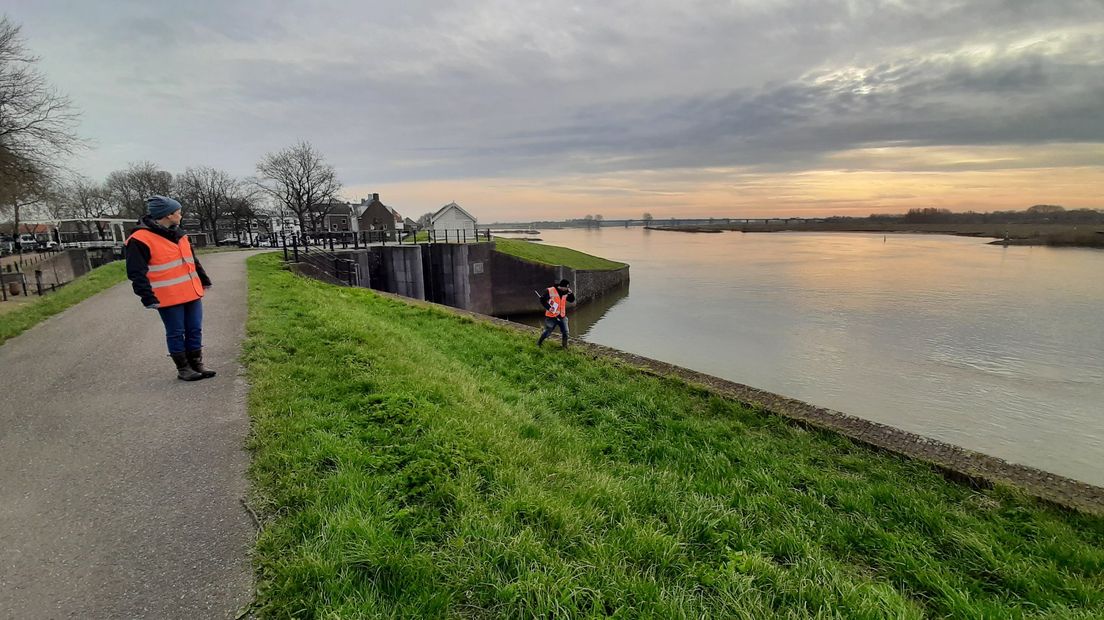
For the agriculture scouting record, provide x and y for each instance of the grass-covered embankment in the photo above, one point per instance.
(410, 462)
(553, 255)
(17, 321)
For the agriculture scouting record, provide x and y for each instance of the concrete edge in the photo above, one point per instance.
(957, 463)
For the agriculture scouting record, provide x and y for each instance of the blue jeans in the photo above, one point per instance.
(550, 323)
(183, 326)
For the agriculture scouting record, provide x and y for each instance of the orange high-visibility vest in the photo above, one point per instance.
(557, 304)
(172, 272)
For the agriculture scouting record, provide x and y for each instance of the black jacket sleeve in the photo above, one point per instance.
(203, 279)
(137, 264)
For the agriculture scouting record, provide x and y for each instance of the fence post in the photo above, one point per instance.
(38, 281)
(465, 231)
(295, 248)
(283, 241)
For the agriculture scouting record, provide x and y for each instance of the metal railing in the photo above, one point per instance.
(366, 238)
(298, 249)
(320, 247)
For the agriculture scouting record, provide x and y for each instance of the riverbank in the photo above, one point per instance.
(686, 229)
(1016, 234)
(467, 472)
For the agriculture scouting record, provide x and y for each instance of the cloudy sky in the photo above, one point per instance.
(549, 109)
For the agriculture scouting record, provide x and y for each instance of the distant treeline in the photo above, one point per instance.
(1038, 214)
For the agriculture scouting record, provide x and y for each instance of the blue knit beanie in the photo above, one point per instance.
(160, 206)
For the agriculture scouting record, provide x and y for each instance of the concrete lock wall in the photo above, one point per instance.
(402, 270)
(60, 268)
(471, 276)
(515, 281)
(590, 285)
(459, 275)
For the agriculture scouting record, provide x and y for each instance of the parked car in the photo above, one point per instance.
(7, 245)
(27, 242)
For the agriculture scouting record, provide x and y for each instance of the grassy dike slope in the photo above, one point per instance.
(410, 462)
(553, 255)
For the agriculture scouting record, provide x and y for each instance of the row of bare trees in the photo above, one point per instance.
(295, 181)
(209, 194)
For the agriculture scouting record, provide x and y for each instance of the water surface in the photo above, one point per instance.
(1000, 350)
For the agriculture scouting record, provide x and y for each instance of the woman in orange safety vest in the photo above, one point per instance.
(555, 301)
(167, 277)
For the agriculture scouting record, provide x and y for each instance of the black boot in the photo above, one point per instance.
(195, 360)
(184, 372)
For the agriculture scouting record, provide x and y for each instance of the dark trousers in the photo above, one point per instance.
(183, 326)
(550, 323)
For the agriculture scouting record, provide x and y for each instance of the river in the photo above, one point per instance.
(996, 349)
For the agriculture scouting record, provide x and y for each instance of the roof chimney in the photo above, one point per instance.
(375, 197)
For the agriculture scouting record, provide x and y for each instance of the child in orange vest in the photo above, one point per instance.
(555, 301)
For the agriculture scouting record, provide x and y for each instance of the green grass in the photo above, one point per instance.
(553, 255)
(18, 321)
(413, 463)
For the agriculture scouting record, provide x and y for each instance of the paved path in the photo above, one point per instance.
(120, 486)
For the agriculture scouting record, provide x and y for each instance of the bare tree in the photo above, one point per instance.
(25, 188)
(425, 221)
(81, 197)
(299, 178)
(647, 219)
(36, 128)
(129, 188)
(37, 124)
(207, 192)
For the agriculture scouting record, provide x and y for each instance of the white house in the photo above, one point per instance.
(277, 225)
(452, 217)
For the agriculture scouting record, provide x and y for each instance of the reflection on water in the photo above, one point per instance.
(992, 348)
